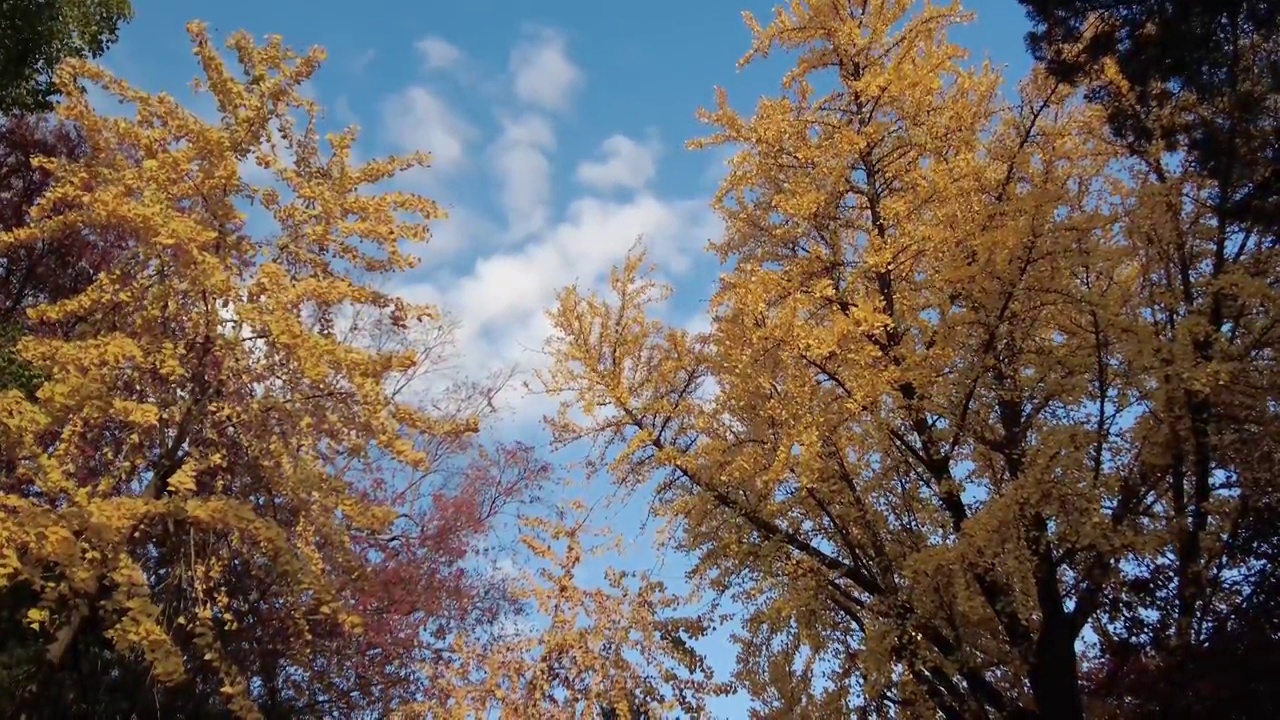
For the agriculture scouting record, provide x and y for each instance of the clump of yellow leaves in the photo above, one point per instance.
(195, 416)
(623, 645)
(970, 370)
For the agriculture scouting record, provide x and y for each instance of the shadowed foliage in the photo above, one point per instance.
(1188, 75)
(35, 35)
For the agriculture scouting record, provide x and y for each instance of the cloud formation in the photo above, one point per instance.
(622, 163)
(543, 75)
(519, 159)
(417, 119)
(500, 302)
(437, 53)
(512, 246)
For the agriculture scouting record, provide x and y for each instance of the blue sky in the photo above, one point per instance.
(558, 128)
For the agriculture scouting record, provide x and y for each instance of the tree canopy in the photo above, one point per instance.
(1197, 77)
(35, 35)
(221, 490)
(987, 395)
(238, 478)
(983, 423)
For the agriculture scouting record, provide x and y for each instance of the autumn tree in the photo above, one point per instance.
(56, 268)
(220, 481)
(1202, 79)
(1185, 75)
(987, 397)
(428, 578)
(621, 648)
(35, 35)
(421, 583)
(623, 710)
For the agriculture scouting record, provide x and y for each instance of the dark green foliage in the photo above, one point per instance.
(1205, 75)
(35, 35)
(14, 371)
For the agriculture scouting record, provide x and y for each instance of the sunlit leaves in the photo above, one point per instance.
(964, 362)
(163, 460)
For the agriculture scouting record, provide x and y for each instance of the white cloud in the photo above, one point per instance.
(624, 163)
(437, 53)
(501, 302)
(597, 233)
(542, 73)
(418, 119)
(519, 159)
(501, 296)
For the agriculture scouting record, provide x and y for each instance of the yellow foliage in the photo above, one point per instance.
(971, 368)
(583, 648)
(191, 405)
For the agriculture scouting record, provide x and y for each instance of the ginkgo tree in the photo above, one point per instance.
(208, 477)
(57, 268)
(985, 395)
(620, 648)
